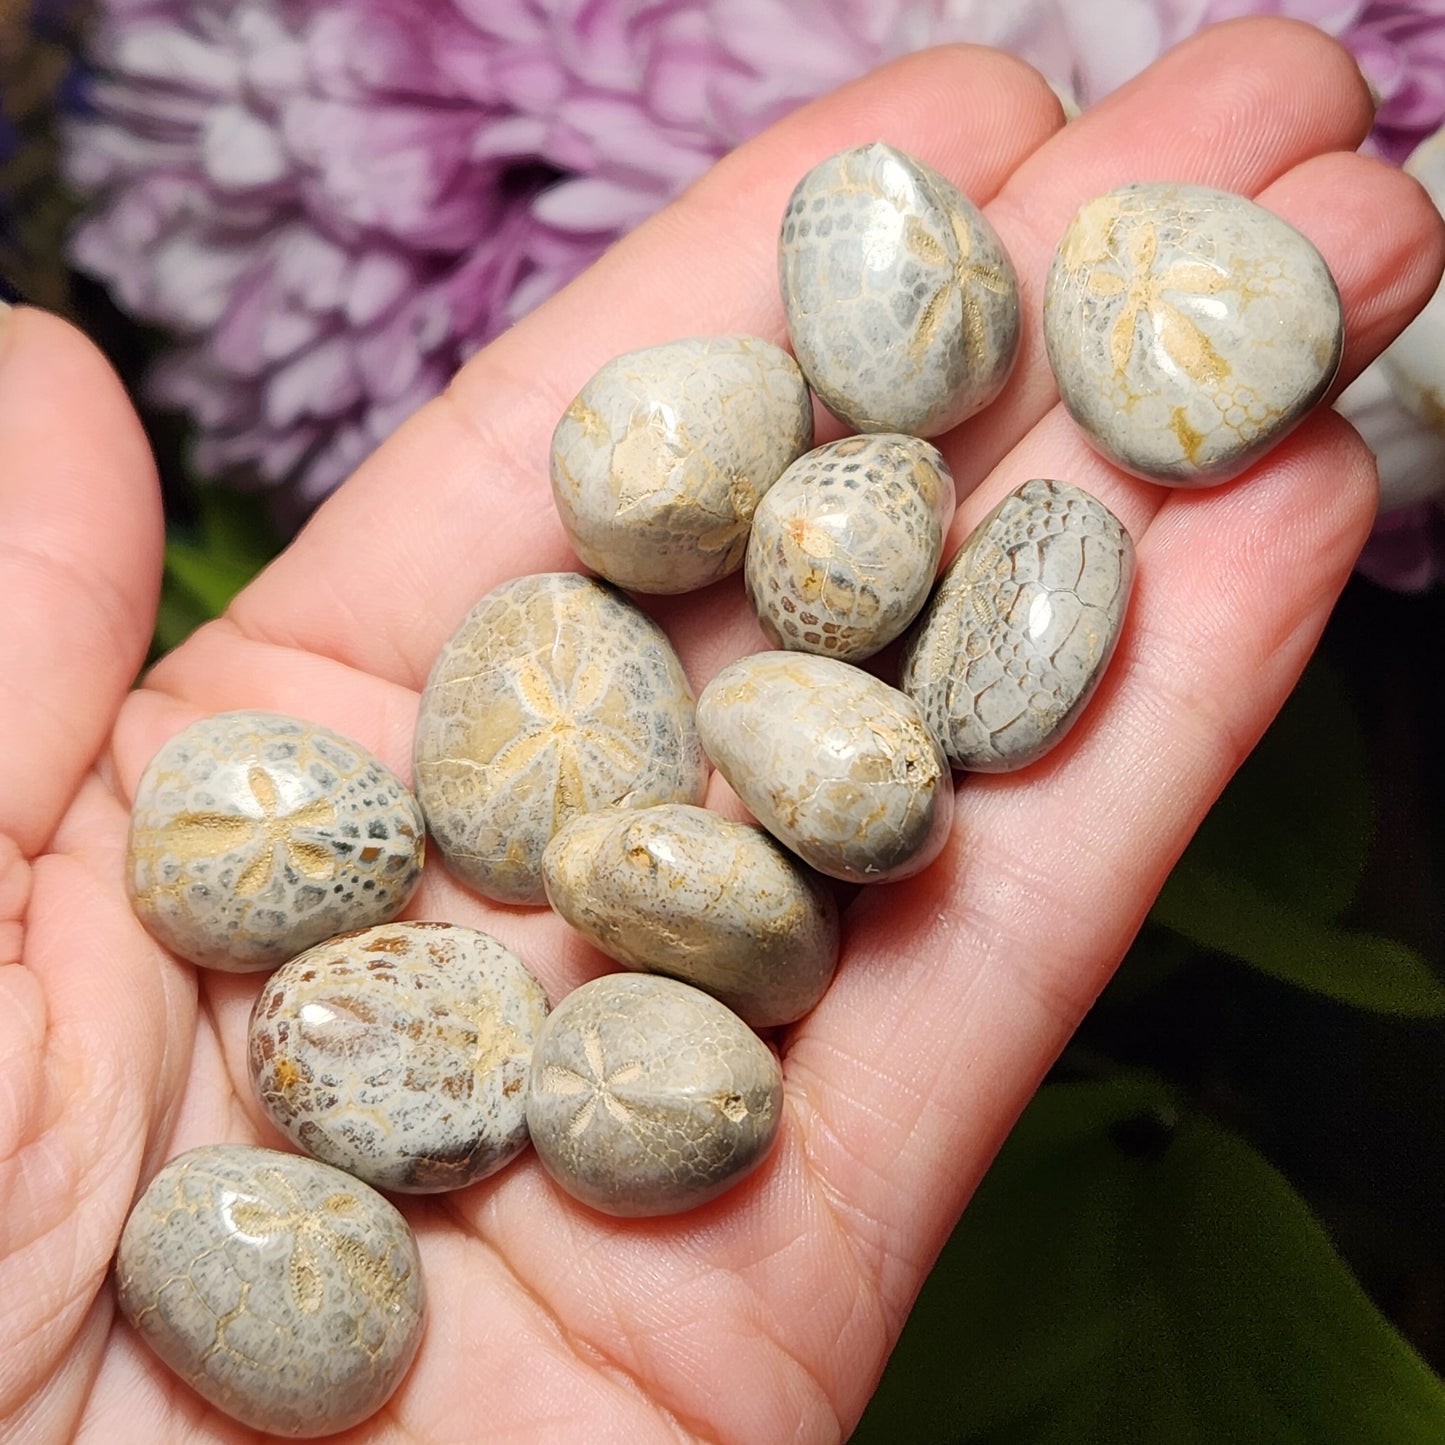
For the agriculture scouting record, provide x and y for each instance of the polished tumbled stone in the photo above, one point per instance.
(835, 764)
(284, 1292)
(1415, 362)
(254, 835)
(658, 465)
(1021, 627)
(400, 1053)
(845, 546)
(685, 892)
(902, 304)
(1189, 329)
(648, 1096)
(555, 696)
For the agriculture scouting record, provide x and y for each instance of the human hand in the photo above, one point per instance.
(767, 1315)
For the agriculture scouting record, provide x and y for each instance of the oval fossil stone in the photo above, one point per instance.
(835, 764)
(286, 1293)
(845, 546)
(685, 892)
(1189, 329)
(254, 835)
(659, 463)
(902, 304)
(555, 696)
(400, 1053)
(1021, 627)
(648, 1096)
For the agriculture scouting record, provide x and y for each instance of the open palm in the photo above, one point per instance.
(766, 1316)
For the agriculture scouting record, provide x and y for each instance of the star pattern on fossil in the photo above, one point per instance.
(967, 278)
(593, 1087)
(266, 834)
(568, 736)
(1142, 284)
(317, 1232)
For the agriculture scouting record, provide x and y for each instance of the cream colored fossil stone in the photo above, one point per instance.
(648, 1096)
(400, 1053)
(286, 1293)
(679, 890)
(1415, 362)
(1189, 329)
(846, 545)
(659, 463)
(835, 764)
(1020, 627)
(555, 696)
(254, 835)
(902, 303)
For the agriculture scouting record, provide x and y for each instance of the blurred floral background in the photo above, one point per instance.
(289, 221)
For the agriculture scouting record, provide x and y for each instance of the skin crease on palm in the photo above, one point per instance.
(767, 1316)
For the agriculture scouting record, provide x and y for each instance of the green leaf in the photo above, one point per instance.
(1280, 857)
(204, 571)
(1297, 818)
(1125, 1276)
(1229, 914)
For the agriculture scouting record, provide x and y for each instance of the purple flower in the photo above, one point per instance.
(331, 203)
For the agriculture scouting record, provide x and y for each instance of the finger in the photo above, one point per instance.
(471, 468)
(80, 543)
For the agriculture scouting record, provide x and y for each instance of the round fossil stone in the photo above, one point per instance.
(846, 544)
(681, 891)
(1021, 627)
(648, 1096)
(555, 696)
(658, 464)
(286, 1293)
(1189, 329)
(902, 304)
(835, 764)
(400, 1053)
(254, 835)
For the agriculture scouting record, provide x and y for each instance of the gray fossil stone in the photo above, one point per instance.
(648, 1096)
(902, 304)
(659, 463)
(555, 696)
(1020, 627)
(254, 835)
(835, 764)
(679, 890)
(284, 1292)
(1189, 329)
(400, 1053)
(846, 545)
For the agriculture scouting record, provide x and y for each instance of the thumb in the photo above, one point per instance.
(80, 552)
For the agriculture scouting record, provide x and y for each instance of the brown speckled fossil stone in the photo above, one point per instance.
(648, 1096)
(835, 764)
(846, 545)
(400, 1053)
(254, 835)
(658, 464)
(555, 696)
(1021, 627)
(902, 304)
(685, 892)
(286, 1293)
